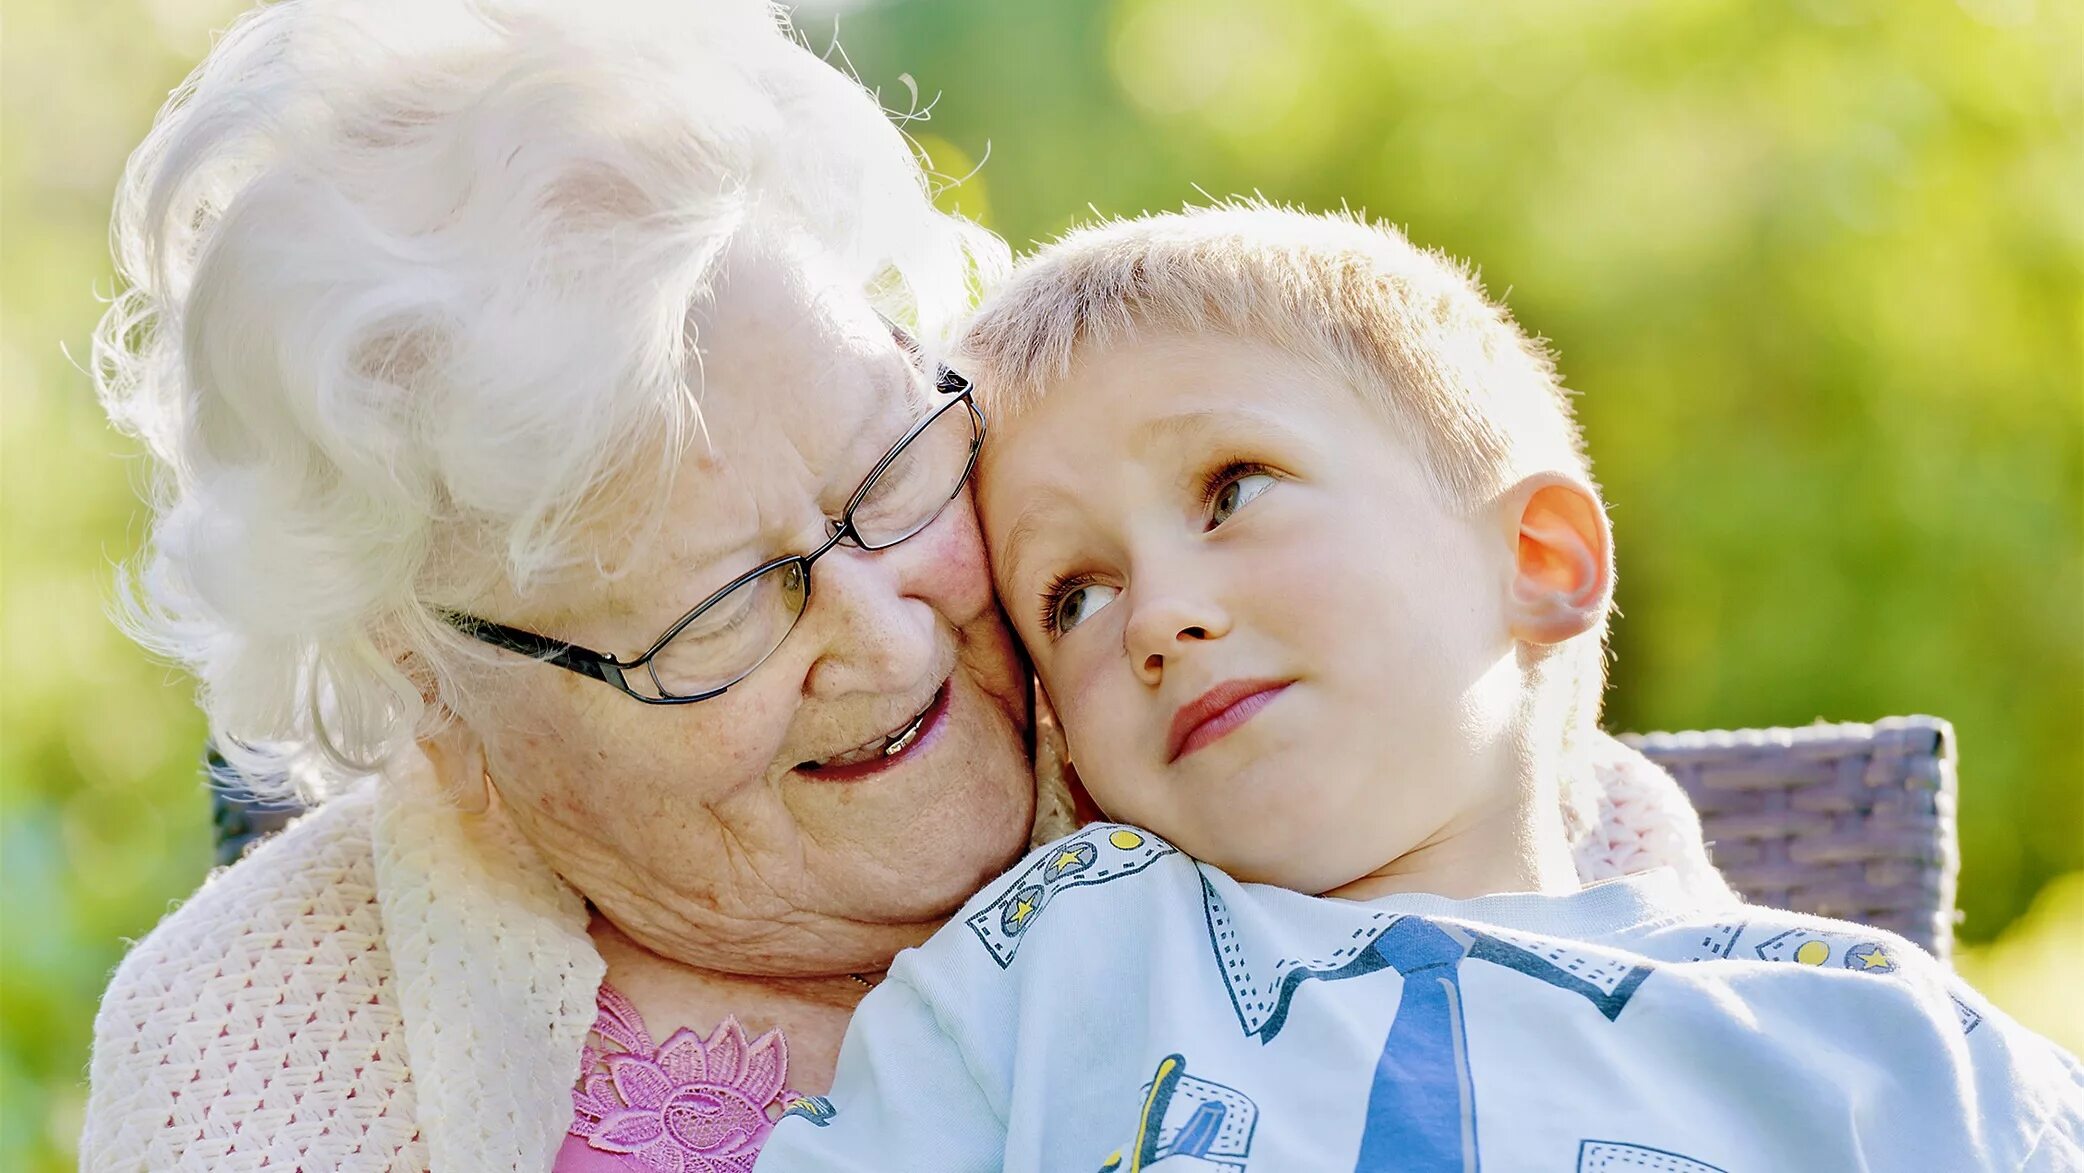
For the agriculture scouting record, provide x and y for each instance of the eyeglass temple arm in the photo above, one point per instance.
(947, 381)
(584, 661)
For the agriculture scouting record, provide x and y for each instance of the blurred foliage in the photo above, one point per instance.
(2031, 968)
(1813, 264)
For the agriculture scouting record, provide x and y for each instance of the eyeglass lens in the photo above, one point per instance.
(735, 632)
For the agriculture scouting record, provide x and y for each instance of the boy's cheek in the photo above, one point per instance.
(1098, 728)
(1313, 593)
(1314, 606)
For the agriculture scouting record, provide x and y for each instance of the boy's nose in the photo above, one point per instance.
(1167, 628)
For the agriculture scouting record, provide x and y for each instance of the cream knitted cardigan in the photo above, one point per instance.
(392, 985)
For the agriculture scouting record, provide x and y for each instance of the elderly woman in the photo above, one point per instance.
(547, 482)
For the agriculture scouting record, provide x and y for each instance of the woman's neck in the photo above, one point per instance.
(811, 1012)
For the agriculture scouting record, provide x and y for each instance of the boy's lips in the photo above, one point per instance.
(1216, 712)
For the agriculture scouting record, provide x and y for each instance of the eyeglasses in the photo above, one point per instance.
(727, 636)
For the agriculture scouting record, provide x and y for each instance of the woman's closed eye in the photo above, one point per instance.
(1066, 603)
(1231, 488)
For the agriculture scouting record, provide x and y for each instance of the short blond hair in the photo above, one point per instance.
(1410, 329)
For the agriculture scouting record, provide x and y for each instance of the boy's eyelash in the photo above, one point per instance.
(1212, 482)
(1059, 586)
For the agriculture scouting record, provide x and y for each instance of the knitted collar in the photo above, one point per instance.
(496, 976)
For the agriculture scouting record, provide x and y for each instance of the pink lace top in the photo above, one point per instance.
(689, 1105)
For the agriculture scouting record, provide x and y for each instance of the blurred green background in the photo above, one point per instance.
(1817, 267)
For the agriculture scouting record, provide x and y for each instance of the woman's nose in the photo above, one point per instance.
(875, 616)
(1168, 627)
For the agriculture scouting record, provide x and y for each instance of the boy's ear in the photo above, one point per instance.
(1563, 559)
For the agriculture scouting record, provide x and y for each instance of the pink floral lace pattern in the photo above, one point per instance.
(689, 1105)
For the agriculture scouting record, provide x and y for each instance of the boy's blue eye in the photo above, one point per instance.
(1235, 494)
(1078, 604)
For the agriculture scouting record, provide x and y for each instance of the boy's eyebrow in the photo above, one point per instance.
(1202, 421)
(1035, 514)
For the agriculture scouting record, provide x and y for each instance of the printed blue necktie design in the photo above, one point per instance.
(1421, 1110)
(1422, 1107)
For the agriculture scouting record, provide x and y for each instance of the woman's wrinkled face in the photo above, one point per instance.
(722, 834)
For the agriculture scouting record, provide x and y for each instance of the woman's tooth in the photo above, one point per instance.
(902, 743)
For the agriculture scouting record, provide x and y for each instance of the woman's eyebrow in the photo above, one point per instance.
(691, 555)
(883, 406)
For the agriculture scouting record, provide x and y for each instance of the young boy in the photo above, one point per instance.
(1300, 535)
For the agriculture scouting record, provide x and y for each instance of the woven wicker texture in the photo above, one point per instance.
(1847, 821)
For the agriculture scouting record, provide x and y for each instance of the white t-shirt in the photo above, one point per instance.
(1111, 1004)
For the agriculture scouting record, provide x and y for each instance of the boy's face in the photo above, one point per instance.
(1266, 638)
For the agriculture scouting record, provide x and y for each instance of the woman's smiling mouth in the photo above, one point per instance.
(1216, 712)
(879, 754)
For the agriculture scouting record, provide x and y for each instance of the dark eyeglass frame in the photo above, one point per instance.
(611, 670)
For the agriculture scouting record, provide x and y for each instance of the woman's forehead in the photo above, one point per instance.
(800, 389)
(784, 351)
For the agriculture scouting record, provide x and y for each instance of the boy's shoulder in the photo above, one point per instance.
(1757, 933)
(1949, 1017)
(1790, 945)
(1782, 947)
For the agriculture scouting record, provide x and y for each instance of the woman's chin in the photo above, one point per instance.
(929, 829)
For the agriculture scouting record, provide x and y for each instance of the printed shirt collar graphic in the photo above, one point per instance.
(1263, 974)
(1100, 853)
(1847, 947)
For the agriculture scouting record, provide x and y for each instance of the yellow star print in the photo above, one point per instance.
(1064, 859)
(1021, 911)
(1874, 959)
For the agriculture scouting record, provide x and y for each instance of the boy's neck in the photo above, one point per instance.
(1521, 847)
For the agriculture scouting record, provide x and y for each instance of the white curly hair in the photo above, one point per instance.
(405, 285)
